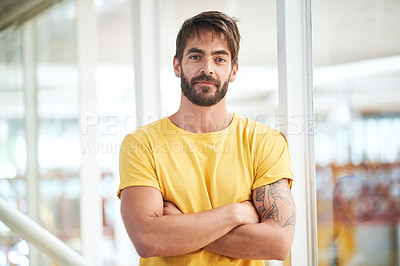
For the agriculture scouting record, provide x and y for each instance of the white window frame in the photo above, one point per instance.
(90, 175)
(297, 119)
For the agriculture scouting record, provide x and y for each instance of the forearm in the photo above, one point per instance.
(262, 241)
(270, 239)
(160, 229)
(170, 235)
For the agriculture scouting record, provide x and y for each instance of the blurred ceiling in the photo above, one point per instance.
(15, 12)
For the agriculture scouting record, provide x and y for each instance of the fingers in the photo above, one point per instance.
(253, 214)
(168, 204)
(170, 208)
(248, 203)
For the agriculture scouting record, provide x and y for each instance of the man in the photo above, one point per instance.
(205, 186)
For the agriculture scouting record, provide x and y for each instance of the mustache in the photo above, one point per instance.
(205, 77)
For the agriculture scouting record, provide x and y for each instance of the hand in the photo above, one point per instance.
(170, 209)
(248, 212)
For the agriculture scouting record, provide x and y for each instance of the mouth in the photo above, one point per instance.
(205, 83)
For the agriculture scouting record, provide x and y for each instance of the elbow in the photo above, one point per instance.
(144, 250)
(282, 254)
(282, 250)
(278, 253)
(147, 250)
(145, 246)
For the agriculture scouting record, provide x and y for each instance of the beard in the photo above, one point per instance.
(203, 97)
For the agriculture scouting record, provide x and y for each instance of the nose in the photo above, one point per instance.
(207, 67)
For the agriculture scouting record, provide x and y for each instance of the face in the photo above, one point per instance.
(206, 69)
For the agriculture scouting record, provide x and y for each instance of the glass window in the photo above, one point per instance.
(12, 128)
(356, 48)
(116, 118)
(13, 186)
(58, 129)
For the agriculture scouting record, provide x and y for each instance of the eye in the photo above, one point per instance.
(194, 57)
(220, 60)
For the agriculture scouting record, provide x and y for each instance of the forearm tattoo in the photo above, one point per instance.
(275, 202)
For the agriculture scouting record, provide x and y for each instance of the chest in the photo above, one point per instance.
(198, 176)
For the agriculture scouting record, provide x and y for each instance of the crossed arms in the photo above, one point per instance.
(264, 230)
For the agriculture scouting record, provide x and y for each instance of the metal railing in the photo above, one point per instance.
(38, 236)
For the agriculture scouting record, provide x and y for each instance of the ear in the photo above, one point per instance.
(235, 68)
(177, 68)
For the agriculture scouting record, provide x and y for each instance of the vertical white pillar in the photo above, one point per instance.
(146, 60)
(90, 212)
(296, 107)
(31, 129)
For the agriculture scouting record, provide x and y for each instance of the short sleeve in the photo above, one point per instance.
(136, 164)
(272, 159)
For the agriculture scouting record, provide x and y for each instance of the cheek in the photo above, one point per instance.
(190, 72)
(227, 71)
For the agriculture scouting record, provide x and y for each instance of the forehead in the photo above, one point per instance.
(207, 39)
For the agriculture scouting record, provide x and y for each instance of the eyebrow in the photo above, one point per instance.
(199, 51)
(195, 50)
(221, 52)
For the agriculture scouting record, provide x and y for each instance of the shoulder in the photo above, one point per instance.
(145, 135)
(258, 130)
(147, 131)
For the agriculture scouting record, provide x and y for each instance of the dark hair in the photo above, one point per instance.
(215, 22)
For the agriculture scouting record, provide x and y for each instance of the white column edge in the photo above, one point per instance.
(296, 112)
(31, 128)
(90, 201)
(146, 61)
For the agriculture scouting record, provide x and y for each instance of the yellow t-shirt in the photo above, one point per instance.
(199, 172)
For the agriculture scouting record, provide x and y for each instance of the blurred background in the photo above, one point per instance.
(356, 58)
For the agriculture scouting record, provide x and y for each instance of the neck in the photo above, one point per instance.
(202, 119)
